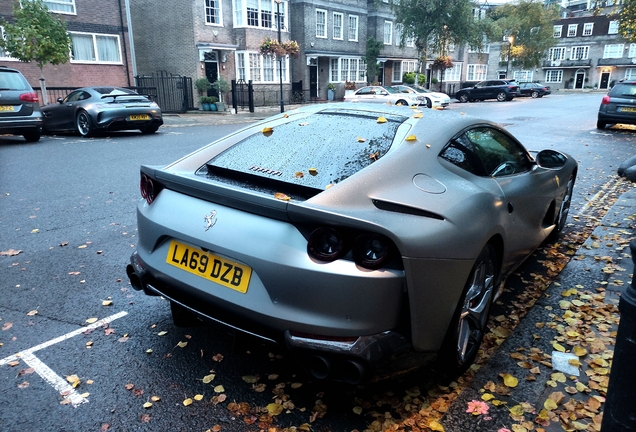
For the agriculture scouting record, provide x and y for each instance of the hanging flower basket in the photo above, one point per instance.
(273, 47)
(443, 62)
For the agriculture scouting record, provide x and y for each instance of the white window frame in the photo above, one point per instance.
(251, 63)
(588, 29)
(476, 72)
(398, 34)
(554, 76)
(342, 69)
(352, 33)
(53, 6)
(584, 49)
(556, 53)
(321, 24)
(388, 32)
(613, 27)
(523, 75)
(572, 30)
(96, 50)
(408, 66)
(3, 54)
(452, 74)
(558, 29)
(338, 29)
(632, 50)
(397, 72)
(209, 5)
(240, 14)
(613, 51)
(630, 73)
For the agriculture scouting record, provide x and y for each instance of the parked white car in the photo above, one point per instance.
(431, 99)
(380, 94)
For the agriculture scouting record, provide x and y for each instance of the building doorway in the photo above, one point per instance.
(313, 81)
(605, 76)
(579, 80)
(211, 70)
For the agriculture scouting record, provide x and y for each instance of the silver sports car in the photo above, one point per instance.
(90, 110)
(363, 237)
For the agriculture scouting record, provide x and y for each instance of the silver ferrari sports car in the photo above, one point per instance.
(362, 237)
(90, 110)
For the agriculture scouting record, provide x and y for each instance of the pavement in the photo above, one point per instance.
(577, 312)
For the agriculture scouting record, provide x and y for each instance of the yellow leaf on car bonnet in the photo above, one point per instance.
(281, 196)
(418, 115)
(313, 171)
(360, 139)
(382, 120)
(411, 138)
(267, 131)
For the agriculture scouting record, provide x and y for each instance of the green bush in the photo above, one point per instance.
(409, 78)
(208, 99)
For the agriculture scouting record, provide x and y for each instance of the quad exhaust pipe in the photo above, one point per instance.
(347, 370)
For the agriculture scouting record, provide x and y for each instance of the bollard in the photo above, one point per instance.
(620, 406)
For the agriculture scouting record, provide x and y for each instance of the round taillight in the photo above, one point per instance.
(606, 100)
(325, 244)
(371, 250)
(147, 188)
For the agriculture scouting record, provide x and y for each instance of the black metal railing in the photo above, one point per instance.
(173, 92)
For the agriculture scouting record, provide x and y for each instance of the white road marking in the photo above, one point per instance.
(598, 198)
(56, 381)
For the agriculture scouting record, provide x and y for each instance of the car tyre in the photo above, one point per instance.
(429, 103)
(564, 209)
(149, 129)
(32, 136)
(501, 96)
(535, 94)
(182, 317)
(402, 102)
(463, 98)
(600, 124)
(467, 328)
(84, 124)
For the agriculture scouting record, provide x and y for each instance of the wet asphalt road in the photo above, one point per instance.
(68, 204)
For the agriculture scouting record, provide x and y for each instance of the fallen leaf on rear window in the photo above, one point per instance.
(313, 171)
(382, 120)
(299, 174)
(10, 252)
(267, 131)
(281, 196)
(360, 139)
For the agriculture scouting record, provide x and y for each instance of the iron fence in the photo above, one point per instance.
(173, 92)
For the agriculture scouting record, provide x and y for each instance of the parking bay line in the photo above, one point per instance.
(47, 374)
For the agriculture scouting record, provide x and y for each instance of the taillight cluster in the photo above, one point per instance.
(605, 100)
(29, 97)
(149, 188)
(369, 250)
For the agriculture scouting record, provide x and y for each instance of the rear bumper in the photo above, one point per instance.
(616, 117)
(20, 125)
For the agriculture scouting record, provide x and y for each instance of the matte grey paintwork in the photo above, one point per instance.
(291, 291)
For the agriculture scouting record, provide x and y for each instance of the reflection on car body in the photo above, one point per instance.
(381, 244)
(380, 94)
(428, 98)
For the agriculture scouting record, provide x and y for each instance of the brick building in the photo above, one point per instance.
(101, 48)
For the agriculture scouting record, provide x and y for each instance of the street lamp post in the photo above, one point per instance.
(280, 58)
(511, 39)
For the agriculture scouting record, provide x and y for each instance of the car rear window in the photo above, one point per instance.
(10, 80)
(623, 89)
(321, 149)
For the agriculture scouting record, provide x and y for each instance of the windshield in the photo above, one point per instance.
(322, 149)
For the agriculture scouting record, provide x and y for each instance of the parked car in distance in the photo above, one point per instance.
(502, 90)
(381, 94)
(91, 110)
(618, 105)
(362, 237)
(534, 90)
(431, 99)
(19, 106)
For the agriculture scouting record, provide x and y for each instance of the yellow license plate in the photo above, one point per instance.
(627, 109)
(7, 108)
(140, 117)
(228, 273)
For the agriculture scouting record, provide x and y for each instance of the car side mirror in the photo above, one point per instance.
(60, 100)
(551, 159)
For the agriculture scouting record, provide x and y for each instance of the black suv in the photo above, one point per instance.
(618, 106)
(502, 90)
(19, 108)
